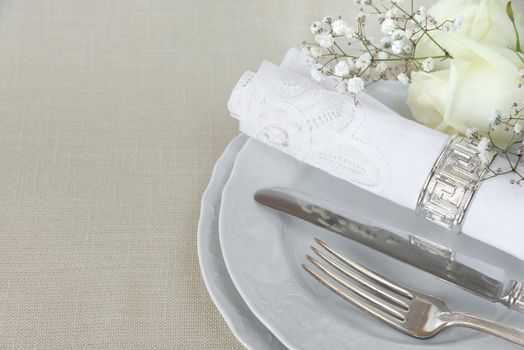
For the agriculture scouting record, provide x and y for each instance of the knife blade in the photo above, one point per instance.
(465, 272)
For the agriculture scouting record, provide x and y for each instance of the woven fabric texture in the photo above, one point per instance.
(112, 114)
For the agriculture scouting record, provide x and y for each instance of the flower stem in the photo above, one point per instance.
(511, 15)
(425, 31)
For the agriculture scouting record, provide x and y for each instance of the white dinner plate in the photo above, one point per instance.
(264, 250)
(239, 318)
(242, 322)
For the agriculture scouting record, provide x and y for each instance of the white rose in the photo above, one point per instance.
(479, 77)
(485, 21)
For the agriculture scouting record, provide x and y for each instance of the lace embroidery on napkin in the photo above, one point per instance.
(315, 125)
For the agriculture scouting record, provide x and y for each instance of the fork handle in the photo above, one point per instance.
(484, 325)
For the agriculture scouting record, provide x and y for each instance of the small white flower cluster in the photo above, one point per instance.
(347, 53)
(503, 127)
(428, 64)
(494, 116)
(483, 148)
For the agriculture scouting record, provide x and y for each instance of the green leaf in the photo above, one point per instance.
(511, 15)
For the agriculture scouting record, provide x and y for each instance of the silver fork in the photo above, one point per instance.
(407, 310)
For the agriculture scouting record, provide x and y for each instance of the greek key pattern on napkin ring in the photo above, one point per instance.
(452, 183)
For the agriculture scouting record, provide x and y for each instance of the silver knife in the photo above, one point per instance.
(414, 250)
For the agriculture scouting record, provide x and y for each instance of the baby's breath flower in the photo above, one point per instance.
(403, 78)
(342, 68)
(483, 144)
(471, 132)
(341, 86)
(339, 27)
(484, 157)
(385, 42)
(388, 26)
(381, 68)
(521, 74)
(316, 27)
(494, 115)
(402, 32)
(446, 27)
(382, 55)
(351, 32)
(420, 19)
(397, 47)
(361, 17)
(458, 22)
(392, 12)
(351, 62)
(325, 39)
(420, 15)
(315, 51)
(355, 85)
(428, 64)
(410, 33)
(327, 20)
(397, 34)
(517, 128)
(317, 74)
(325, 69)
(363, 61)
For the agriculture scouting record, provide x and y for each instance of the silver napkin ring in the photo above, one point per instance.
(452, 183)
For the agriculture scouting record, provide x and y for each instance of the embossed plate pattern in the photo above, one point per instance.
(263, 251)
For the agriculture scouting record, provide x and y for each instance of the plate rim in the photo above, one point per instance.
(207, 213)
(287, 340)
(281, 335)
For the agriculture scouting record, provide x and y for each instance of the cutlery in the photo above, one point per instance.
(472, 275)
(407, 310)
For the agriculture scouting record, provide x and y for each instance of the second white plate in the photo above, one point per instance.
(244, 325)
(264, 250)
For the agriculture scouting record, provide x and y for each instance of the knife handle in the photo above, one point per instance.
(516, 297)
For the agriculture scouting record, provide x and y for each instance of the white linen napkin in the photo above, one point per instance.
(368, 145)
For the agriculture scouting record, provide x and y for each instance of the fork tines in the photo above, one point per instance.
(407, 310)
(360, 286)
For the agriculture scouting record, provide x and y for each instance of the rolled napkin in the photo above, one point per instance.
(364, 143)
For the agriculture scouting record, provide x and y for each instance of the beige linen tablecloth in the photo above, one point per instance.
(112, 114)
